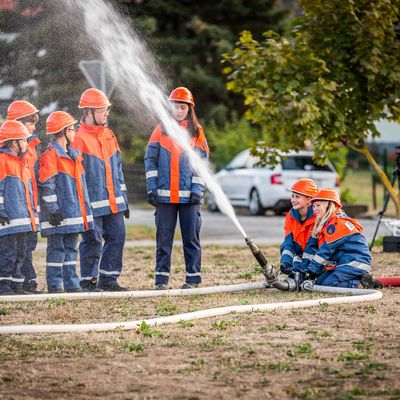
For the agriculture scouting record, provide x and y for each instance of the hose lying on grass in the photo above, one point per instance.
(356, 295)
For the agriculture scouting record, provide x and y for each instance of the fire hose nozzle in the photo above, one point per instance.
(268, 270)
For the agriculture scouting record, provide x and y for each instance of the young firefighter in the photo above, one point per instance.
(64, 200)
(342, 257)
(17, 212)
(28, 114)
(299, 222)
(174, 188)
(107, 193)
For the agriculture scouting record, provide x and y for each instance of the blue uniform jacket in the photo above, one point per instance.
(168, 168)
(62, 189)
(16, 194)
(297, 233)
(340, 243)
(103, 167)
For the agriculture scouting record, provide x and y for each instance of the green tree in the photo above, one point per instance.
(231, 138)
(328, 83)
(188, 38)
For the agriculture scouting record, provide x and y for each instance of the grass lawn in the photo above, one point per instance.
(327, 352)
(359, 182)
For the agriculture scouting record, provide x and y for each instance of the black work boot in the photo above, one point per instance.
(368, 282)
(114, 287)
(161, 286)
(90, 286)
(189, 285)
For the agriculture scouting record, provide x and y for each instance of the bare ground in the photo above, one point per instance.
(326, 352)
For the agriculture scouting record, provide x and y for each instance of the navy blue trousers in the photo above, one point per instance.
(103, 261)
(61, 256)
(28, 271)
(190, 223)
(343, 276)
(12, 253)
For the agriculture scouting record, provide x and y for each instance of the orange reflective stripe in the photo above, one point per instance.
(174, 177)
(110, 187)
(25, 175)
(81, 196)
(106, 155)
(31, 157)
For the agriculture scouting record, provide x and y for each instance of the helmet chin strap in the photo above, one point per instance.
(66, 138)
(94, 118)
(19, 147)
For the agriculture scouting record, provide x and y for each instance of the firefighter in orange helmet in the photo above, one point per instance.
(17, 212)
(101, 265)
(299, 222)
(175, 188)
(28, 114)
(341, 257)
(65, 206)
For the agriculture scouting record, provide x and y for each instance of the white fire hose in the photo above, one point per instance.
(356, 295)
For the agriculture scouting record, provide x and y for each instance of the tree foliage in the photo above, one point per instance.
(336, 75)
(189, 37)
(328, 83)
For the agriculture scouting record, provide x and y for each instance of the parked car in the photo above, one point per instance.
(267, 188)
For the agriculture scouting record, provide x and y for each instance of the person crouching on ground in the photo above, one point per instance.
(174, 188)
(17, 212)
(342, 257)
(299, 222)
(28, 114)
(65, 205)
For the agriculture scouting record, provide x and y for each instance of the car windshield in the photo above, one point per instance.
(304, 163)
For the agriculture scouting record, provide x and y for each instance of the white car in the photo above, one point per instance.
(267, 188)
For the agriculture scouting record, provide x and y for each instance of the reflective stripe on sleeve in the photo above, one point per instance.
(105, 203)
(151, 174)
(287, 253)
(50, 199)
(197, 179)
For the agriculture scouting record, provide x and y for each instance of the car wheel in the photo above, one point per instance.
(211, 204)
(255, 207)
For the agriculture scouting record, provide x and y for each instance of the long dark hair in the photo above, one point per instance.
(193, 122)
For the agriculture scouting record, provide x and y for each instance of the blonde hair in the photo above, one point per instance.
(330, 211)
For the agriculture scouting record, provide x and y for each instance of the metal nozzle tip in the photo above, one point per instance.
(248, 240)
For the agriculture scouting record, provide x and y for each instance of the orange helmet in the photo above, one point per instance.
(57, 121)
(93, 98)
(327, 195)
(20, 109)
(13, 130)
(306, 187)
(182, 94)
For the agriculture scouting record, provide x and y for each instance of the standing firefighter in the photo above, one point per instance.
(174, 188)
(17, 211)
(28, 114)
(65, 205)
(107, 192)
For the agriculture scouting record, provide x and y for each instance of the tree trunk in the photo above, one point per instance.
(382, 176)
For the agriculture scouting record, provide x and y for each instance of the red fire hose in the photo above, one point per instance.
(393, 281)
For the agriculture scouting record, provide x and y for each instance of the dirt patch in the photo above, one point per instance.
(326, 352)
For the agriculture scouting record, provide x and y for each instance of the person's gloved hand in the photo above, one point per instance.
(127, 212)
(4, 219)
(152, 197)
(55, 219)
(286, 268)
(309, 275)
(195, 198)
